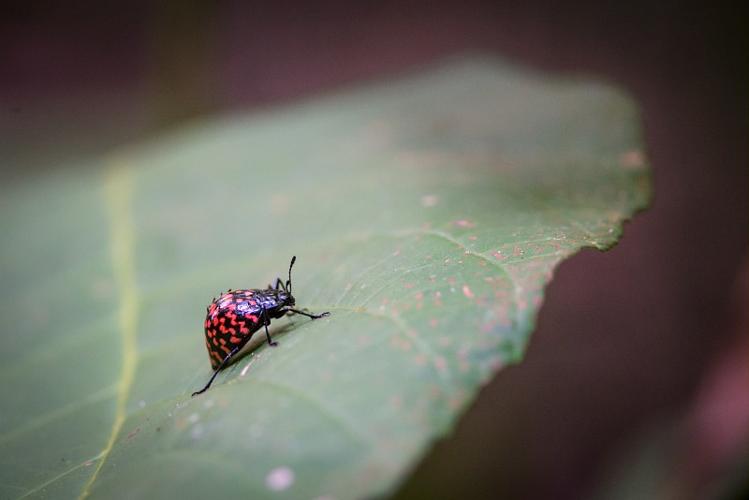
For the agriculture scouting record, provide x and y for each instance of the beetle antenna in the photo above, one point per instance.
(288, 283)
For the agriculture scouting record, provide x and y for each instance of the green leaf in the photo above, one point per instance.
(427, 215)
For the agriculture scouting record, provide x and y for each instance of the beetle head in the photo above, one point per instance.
(286, 299)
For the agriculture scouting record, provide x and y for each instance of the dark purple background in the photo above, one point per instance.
(624, 338)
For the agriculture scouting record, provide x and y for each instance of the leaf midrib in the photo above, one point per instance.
(118, 190)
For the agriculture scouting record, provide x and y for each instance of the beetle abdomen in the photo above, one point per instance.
(230, 321)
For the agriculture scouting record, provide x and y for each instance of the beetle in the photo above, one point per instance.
(236, 315)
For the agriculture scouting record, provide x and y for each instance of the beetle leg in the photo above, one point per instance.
(313, 316)
(215, 372)
(267, 333)
(278, 286)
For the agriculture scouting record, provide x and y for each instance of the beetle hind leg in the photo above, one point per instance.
(218, 369)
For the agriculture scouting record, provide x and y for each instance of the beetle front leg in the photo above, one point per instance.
(312, 316)
(215, 372)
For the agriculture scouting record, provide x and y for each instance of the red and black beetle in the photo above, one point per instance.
(236, 315)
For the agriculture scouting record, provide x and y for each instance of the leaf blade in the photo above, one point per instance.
(427, 215)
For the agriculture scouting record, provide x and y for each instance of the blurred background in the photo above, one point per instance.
(636, 383)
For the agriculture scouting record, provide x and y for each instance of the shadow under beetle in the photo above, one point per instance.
(236, 315)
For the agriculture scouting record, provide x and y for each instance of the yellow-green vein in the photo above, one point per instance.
(63, 474)
(118, 190)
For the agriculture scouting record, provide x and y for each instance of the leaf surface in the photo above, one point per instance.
(427, 215)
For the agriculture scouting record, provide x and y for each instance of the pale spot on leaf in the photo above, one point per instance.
(279, 479)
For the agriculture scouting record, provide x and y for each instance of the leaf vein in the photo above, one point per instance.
(56, 414)
(344, 422)
(60, 476)
(118, 189)
(406, 329)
